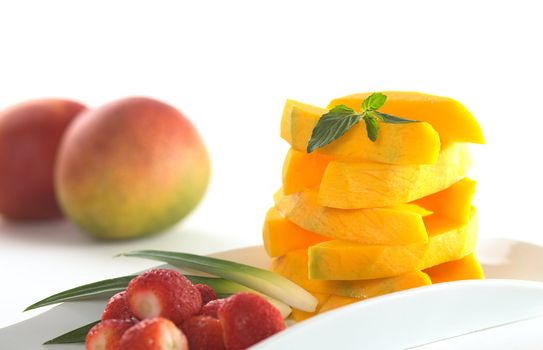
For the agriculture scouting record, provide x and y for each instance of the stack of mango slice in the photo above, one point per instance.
(357, 219)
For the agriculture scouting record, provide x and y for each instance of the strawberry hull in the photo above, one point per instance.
(163, 293)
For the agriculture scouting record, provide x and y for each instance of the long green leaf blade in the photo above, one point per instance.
(264, 281)
(108, 287)
(103, 288)
(76, 336)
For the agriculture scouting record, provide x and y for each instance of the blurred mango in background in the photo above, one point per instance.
(130, 168)
(30, 134)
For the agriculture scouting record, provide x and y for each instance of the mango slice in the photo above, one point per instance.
(467, 268)
(453, 204)
(302, 170)
(281, 236)
(394, 225)
(412, 143)
(450, 118)
(294, 266)
(367, 185)
(342, 260)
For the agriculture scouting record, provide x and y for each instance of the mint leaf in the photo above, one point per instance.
(392, 119)
(373, 102)
(331, 126)
(340, 110)
(372, 127)
(340, 119)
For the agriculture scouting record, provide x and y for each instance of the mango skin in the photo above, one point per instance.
(131, 168)
(30, 135)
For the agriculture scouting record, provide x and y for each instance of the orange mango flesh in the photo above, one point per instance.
(467, 268)
(395, 225)
(462, 269)
(342, 260)
(294, 266)
(453, 204)
(452, 121)
(302, 170)
(411, 143)
(403, 224)
(281, 236)
(367, 185)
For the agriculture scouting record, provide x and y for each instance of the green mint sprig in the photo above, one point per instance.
(340, 119)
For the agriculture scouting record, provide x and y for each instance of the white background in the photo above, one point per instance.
(230, 65)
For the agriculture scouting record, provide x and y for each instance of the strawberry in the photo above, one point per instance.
(247, 319)
(107, 334)
(203, 333)
(212, 308)
(206, 292)
(117, 308)
(163, 293)
(154, 334)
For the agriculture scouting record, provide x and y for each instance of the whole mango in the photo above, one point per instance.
(131, 168)
(30, 134)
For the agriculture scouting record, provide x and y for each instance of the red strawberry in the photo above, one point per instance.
(247, 319)
(164, 293)
(107, 334)
(117, 308)
(203, 333)
(154, 334)
(206, 292)
(212, 308)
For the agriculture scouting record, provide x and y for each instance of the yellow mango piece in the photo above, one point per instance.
(367, 185)
(302, 170)
(294, 266)
(412, 143)
(281, 236)
(453, 204)
(450, 118)
(299, 315)
(334, 302)
(467, 268)
(392, 225)
(342, 260)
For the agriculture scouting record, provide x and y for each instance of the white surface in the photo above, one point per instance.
(525, 335)
(229, 65)
(418, 316)
(395, 321)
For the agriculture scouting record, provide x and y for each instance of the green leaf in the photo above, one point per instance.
(332, 126)
(264, 281)
(392, 119)
(103, 288)
(372, 127)
(108, 287)
(373, 102)
(76, 336)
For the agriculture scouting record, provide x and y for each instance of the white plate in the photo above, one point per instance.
(398, 320)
